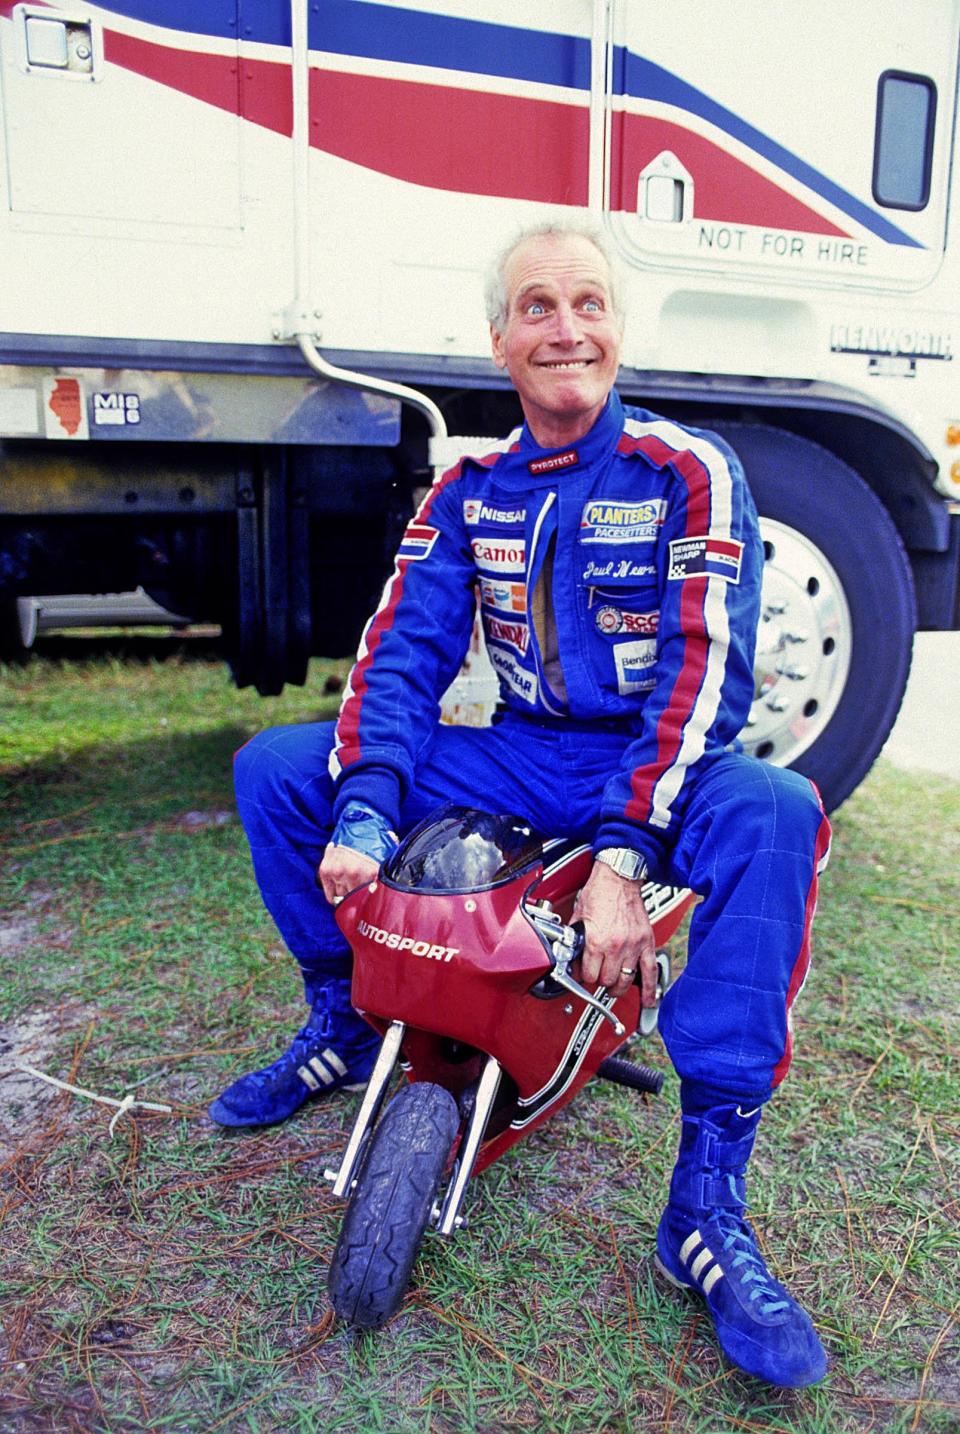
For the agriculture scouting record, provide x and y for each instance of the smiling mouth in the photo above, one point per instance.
(568, 365)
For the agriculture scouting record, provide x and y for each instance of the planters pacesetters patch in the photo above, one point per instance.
(704, 557)
(608, 520)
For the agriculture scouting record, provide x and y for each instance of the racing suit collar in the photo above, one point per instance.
(533, 465)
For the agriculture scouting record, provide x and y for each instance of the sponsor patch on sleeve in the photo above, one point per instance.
(417, 542)
(704, 557)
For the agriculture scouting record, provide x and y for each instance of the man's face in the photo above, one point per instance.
(561, 340)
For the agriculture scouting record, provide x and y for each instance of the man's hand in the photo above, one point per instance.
(619, 935)
(361, 840)
(343, 870)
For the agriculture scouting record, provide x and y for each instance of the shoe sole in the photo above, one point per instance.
(672, 1279)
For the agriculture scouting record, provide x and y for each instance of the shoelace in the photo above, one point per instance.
(746, 1255)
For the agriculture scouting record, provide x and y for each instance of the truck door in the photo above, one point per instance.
(807, 143)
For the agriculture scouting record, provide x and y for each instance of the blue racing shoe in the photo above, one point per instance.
(704, 1244)
(335, 1050)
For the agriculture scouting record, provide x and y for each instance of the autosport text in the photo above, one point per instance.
(396, 941)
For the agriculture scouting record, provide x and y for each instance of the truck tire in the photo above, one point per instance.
(838, 612)
(391, 1204)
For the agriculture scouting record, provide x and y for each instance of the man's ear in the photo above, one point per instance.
(496, 344)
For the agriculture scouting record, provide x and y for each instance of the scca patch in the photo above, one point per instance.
(704, 557)
(611, 620)
(607, 520)
(504, 596)
(417, 542)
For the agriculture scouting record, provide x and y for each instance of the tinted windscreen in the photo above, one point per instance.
(461, 849)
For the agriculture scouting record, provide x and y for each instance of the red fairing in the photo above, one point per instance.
(460, 967)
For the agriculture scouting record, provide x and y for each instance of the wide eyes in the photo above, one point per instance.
(538, 308)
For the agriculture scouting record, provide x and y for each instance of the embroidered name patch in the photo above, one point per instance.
(636, 663)
(705, 557)
(417, 542)
(608, 520)
(554, 462)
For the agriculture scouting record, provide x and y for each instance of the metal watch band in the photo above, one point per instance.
(624, 861)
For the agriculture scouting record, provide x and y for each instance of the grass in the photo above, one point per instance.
(172, 1278)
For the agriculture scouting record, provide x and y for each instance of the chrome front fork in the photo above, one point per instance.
(446, 1216)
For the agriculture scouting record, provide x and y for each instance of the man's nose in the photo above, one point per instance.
(566, 324)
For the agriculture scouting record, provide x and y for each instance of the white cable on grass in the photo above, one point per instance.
(125, 1105)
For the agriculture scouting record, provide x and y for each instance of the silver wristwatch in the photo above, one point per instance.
(624, 861)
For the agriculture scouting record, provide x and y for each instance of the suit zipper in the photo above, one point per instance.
(541, 676)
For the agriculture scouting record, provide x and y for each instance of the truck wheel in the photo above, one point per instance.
(837, 616)
(391, 1204)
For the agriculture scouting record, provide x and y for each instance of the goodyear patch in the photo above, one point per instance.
(607, 520)
(503, 596)
(704, 557)
(522, 683)
(611, 620)
(636, 665)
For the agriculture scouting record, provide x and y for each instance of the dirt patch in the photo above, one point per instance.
(31, 1039)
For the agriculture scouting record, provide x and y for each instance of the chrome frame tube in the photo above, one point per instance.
(470, 1145)
(369, 1106)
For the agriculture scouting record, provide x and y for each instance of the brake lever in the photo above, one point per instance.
(565, 945)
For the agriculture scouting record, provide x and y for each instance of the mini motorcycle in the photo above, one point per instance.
(462, 961)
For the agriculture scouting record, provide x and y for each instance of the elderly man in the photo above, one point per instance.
(617, 562)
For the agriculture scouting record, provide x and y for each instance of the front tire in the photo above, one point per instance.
(391, 1204)
(838, 612)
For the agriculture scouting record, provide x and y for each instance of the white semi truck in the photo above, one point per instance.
(213, 212)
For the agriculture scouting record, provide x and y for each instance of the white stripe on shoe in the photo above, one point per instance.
(710, 1279)
(317, 1066)
(332, 1059)
(704, 1258)
(689, 1245)
(308, 1078)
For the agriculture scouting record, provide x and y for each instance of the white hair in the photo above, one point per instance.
(496, 296)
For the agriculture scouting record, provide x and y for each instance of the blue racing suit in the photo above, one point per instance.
(619, 584)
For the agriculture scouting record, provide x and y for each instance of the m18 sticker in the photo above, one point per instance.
(500, 557)
(636, 666)
(704, 557)
(476, 512)
(417, 542)
(611, 620)
(514, 634)
(116, 409)
(505, 597)
(612, 521)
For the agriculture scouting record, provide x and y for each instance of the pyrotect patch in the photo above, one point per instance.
(554, 462)
(417, 542)
(705, 557)
(610, 520)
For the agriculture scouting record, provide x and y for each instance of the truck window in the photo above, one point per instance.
(903, 141)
